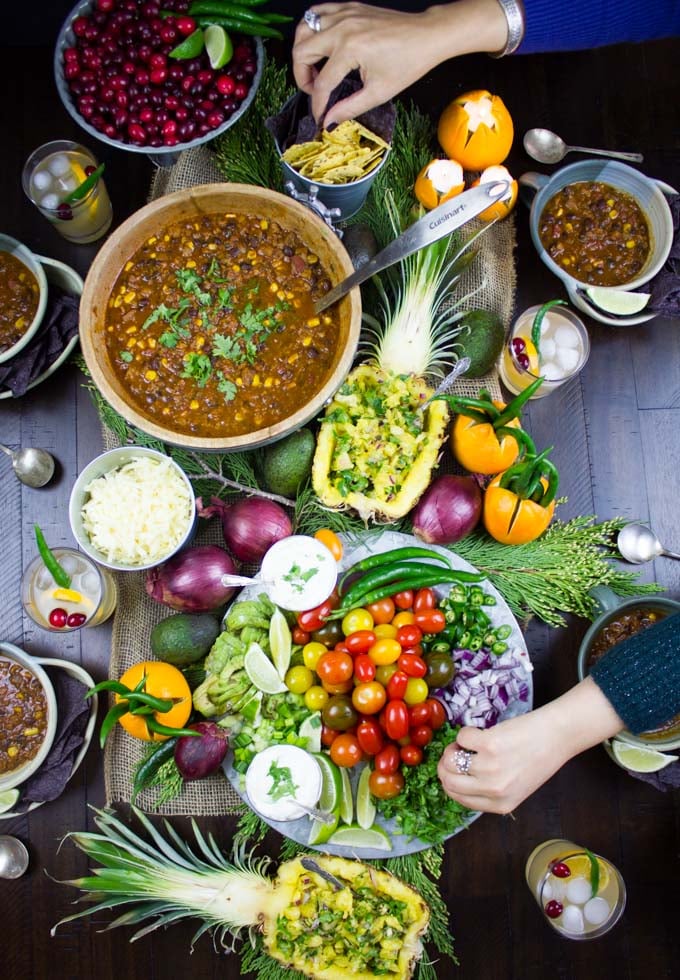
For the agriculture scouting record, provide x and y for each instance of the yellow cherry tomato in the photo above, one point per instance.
(385, 651)
(298, 679)
(369, 698)
(331, 541)
(316, 698)
(417, 691)
(406, 617)
(312, 653)
(388, 630)
(383, 672)
(355, 620)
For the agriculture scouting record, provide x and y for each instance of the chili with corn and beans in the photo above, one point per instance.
(23, 715)
(19, 296)
(596, 233)
(211, 326)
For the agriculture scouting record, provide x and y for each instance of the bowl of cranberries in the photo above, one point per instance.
(117, 78)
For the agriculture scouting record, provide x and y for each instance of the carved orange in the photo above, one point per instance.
(438, 181)
(476, 130)
(502, 208)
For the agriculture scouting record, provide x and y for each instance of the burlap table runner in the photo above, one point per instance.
(489, 283)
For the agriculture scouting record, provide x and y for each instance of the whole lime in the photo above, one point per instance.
(288, 463)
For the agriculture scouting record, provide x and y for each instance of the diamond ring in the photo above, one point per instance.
(312, 20)
(462, 761)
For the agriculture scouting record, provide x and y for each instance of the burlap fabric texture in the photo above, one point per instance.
(489, 283)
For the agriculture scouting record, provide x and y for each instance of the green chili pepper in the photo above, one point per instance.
(158, 729)
(59, 574)
(395, 555)
(149, 766)
(114, 686)
(161, 705)
(239, 10)
(420, 580)
(112, 716)
(241, 26)
(383, 574)
(538, 320)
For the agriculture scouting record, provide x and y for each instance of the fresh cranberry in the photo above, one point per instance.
(170, 140)
(168, 34)
(215, 119)
(106, 6)
(58, 618)
(98, 122)
(71, 54)
(240, 91)
(142, 76)
(158, 75)
(553, 909)
(523, 361)
(86, 109)
(207, 105)
(129, 67)
(107, 94)
(560, 869)
(225, 84)
(89, 170)
(92, 32)
(205, 76)
(157, 60)
(76, 619)
(122, 99)
(169, 128)
(147, 115)
(239, 76)
(182, 114)
(80, 26)
(176, 73)
(71, 70)
(171, 102)
(144, 52)
(518, 345)
(186, 130)
(187, 83)
(242, 52)
(120, 118)
(249, 67)
(137, 133)
(150, 10)
(185, 25)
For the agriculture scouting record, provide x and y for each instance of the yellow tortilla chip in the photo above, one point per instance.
(348, 153)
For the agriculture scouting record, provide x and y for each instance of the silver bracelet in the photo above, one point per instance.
(514, 14)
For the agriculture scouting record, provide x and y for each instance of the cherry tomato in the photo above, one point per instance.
(385, 787)
(313, 619)
(381, 611)
(357, 619)
(364, 668)
(360, 641)
(328, 735)
(416, 691)
(331, 541)
(404, 618)
(312, 652)
(383, 672)
(409, 635)
(431, 620)
(396, 685)
(387, 760)
(404, 600)
(440, 669)
(316, 697)
(339, 713)
(396, 719)
(417, 649)
(298, 679)
(384, 651)
(424, 599)
(301, 636)
(346, 751)
(341, 648)
(420, 714)
(421, 736)
(412, 664)
(369, 698)
(334, 667)
(343, 688)
(411, 755)
(385, 631)
(329, 634)
(370, 736)
(437, 713)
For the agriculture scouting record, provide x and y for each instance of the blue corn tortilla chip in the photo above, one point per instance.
(59, 326)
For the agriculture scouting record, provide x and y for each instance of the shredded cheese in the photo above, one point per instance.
(138, 514)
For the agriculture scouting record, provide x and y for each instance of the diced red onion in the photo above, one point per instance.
(484, 686)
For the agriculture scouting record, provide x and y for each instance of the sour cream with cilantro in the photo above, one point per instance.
(298, 572)
(278, 777)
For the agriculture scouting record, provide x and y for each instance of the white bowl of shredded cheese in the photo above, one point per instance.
(132, 508)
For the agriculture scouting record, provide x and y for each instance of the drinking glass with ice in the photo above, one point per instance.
(562, 351)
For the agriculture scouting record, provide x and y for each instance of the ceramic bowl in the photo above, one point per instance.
(112, 460)
(33, 665)
(188, 205)
(537, 189)
(32, 263)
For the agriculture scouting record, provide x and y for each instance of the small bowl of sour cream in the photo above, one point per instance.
(281, 781)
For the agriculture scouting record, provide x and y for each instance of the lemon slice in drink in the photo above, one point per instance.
(617, 301)
(355, 836)
(262, 672)
(218, 45)
(366, 809)
(280, 642)
(346, 798)
(579, 865)
(637, 759)
(67, 595)
(8, 798)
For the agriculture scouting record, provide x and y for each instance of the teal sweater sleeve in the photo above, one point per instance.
(640, 677)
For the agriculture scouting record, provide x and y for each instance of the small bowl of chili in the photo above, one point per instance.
(600, 223)
(28, 715)
(23, 296)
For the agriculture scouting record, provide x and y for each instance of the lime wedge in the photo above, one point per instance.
(331, 783)
(637, 759)
(280, 642)
(346, 798)
(262, 672)
(311, 730)
(617, 301)
(366, 809)
(190, 47)
(355, 836)
(320, 833)
(218, 45)
(8, 798)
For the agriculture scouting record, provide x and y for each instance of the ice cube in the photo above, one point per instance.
(68, 183)
(566, 336)
(89, 583)
(50, 202)
(572, 920)
(59, 165)
(44, 580)
(557, 888)
(41, 180)
(548, 347)
(578, 890)
(551, 371)
(546, 324)
(567, 358)
(596, 911)
(70, 564)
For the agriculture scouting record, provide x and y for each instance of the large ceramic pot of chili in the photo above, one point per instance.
(197, 318)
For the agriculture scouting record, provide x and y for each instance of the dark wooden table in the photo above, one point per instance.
(616, 433)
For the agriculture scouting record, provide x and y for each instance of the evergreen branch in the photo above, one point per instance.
(224, 481)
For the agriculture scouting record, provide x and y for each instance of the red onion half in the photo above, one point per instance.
(197, 758)
(191, 581)
(250, 526)
(448, 510)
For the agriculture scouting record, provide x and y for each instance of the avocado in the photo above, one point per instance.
(482, 342)
(360, 243)
(287, 464)
(184, 638)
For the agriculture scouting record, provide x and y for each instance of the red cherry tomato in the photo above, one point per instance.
(341, 647)
(403, 600)
(424, 599)
(328, 735)
(301, 636)
(360, 641)
(385, 787)
(313, 619)
(343, 688)
(396, 719)
(408, 636)
(437, 712)
(387, 760)
(411, 755)
(335, 667)
(412, 665)
(419, 714)
(364, 668)
(381, 611)
(422, 735)
(370, 736)
(417, 649)
(396, 685)
(346, 751)
(431, 620)
(369, 698)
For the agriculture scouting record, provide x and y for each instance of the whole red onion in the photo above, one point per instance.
(191, 581)
(250, 526)
(448, 510)
(200, 757)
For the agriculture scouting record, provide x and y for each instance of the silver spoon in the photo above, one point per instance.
(638, 543)
(13, 857)
(547, 147)
(323, 816)
(34, 467)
